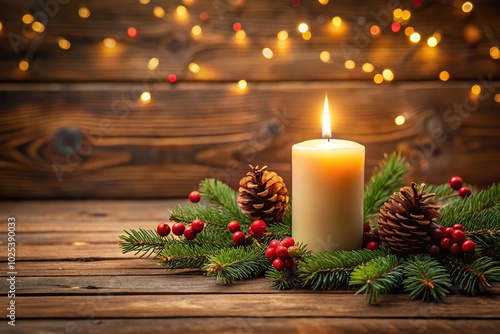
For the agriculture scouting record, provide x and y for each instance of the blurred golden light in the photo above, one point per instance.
(467, 6)
(38, 27)
(1, 26)
(378, 78)
(196, 30)
(195, 68)
(432, 41)
(367, 67)
(400, 120)
(64, 43)
(241, 34)
(444, 76)
(188, 2)
(409, 31)
(397, 13)
(324, 56)
(268, 53)
(242, 84)
(323, 2)
(159, 12)
(405, 14)
(337, 21)
(375, 30)
(306, 35)
(146, 97)
(84, 12)
(349, 64)
(153, 63)
(283, 35)
(497, 98)
(437, 36)
(494, 52)
(303, 27)
(144, 2)
(415, 37)
(24, 65)
(181, 10)
(476, 90)
(109, 42)
(387, 74)
(28, 19)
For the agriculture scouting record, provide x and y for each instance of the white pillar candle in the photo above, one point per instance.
(328, 192)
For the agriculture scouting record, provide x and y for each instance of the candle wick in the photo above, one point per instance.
(328, 138)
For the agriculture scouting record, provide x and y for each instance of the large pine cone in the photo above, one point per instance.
(263, 195)
(406, 221)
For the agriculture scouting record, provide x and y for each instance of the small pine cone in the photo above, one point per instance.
(406, 221)
(263, 195)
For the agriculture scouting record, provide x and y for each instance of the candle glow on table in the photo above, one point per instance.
(328, 192)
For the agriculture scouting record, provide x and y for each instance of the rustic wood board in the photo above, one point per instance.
(154, 152)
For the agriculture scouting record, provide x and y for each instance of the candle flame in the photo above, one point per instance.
(327, 132)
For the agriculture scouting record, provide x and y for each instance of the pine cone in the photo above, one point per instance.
(406, 221)
(263, 195)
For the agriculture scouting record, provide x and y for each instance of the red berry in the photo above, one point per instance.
(271, 253)
(233, 226)
(469, 246)
(375, 232)
(447, 232)
(367, 227)
(433, 250)
(282, 252)
(458, 227)
(456, 248)
(289, 263)
(238, 238)
(458, 236)
(464, 192)
(441, 227)
(437, 234)
(456, 182)
(178, 228)
(163, 229)
(287, 242)
(372, 245)
(274, 243)
(194, 196)
(279, 264)
(189, 233)
(445, 243)
(197, 225)
(253, 234)
(259, 226)
(294, 251)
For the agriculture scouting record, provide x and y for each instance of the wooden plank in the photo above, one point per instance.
(211, 131)
(221, 56)
(320, 325)
(265, 305)
(67, 252)
(167, 284)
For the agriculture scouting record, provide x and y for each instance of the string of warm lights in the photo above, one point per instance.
(401, 19)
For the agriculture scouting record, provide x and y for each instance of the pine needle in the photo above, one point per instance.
(472, 273)
(285, 279)
(425, 278)
(143, 242)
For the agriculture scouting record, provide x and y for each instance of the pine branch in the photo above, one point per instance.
(330, 270)
(279, 231)
(426, 278)
(221, 195)
(142, 242)
(472, 273)
(239, 263)
(379, 275)
(284, 280)
(487, 243)
(480, 211)
(210, 215)
(386, 178)
(184, 256)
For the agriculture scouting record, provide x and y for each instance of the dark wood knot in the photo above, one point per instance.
(67, 140)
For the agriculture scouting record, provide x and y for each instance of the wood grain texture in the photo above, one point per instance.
(221, 57)
(99, 141)
(227, 325)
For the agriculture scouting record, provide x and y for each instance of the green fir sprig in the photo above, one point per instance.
(473, 274)
(285, 279)
(380, 275)
(426, 278)
(387, 178)
(142, 242)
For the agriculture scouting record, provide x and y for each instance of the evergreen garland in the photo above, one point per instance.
(372, 272)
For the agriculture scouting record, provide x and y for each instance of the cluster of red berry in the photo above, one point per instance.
(456, 183)
(371, 238)
(256, 230)
(450, 239)
(179, 229)
(282, 253)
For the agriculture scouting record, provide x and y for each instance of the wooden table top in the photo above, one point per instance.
(71, 277)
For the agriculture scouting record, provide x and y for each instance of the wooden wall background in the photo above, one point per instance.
(72, 125)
